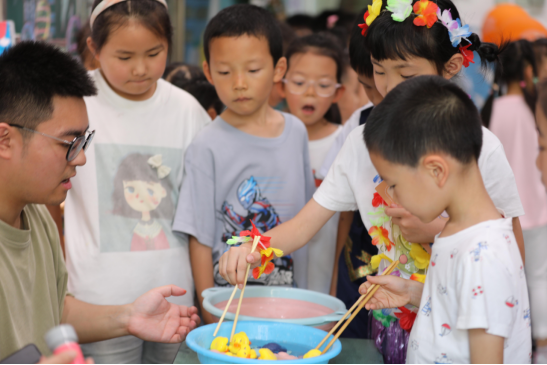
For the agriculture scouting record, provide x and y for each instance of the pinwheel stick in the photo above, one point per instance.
(360, 303)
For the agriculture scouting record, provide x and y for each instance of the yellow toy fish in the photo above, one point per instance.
(312, 353)
(266, 354)
(245, 352)
(220, 344)
(238, 341)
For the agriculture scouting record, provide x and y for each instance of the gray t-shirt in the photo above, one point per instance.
(233, 178)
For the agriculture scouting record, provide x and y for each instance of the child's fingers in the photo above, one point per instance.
(364, 288)
(241, 271)
(230, 266)
(396, 212)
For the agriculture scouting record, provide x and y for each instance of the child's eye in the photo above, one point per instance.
(123, 58)
(223, 73)
(130, 189)
(254, 71)
(298, 83)
(378, 73)
(154, 55)
(325, 86)
(407, 77)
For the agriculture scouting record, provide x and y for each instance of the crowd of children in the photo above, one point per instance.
(307, 130)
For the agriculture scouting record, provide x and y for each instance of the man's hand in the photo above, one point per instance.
(394, 292)
(153, 318)
(233, 263)
(63, 358)
(412, 228)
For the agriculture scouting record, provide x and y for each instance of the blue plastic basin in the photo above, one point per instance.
(212, 296)
(286, 334)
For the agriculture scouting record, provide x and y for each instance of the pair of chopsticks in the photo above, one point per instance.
(360, 303)
(255, 243)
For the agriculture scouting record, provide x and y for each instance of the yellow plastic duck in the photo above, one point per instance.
(312, 353)
(253, 355)
(220, 344)
(238, 341)
(244, 352)
(266, 354)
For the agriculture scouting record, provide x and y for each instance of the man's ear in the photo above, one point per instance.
(207, 72)
(437, 168)
(453, 66)
(92, 48)
(280, 69)
(6, 141)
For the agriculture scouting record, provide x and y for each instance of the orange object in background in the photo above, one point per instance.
(510, 22)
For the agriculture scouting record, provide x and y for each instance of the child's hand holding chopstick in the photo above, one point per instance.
(394, 292)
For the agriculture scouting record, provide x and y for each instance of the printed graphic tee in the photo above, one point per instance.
(119, 212)
(352, 180)
(475, 280)
(322, 246)
(234, 178)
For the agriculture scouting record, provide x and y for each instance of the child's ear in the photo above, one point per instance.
(6, 141)
(453, 66)
(339, 93)
(92, 48)
(280, 69)
(437, 168)
(207, 72)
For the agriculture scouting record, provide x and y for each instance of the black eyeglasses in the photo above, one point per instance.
(77, 144)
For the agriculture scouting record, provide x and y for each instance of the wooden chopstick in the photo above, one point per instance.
(232, 296)
(255, 243)
(360, 303)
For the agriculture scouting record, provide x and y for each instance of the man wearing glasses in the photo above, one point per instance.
(44, 132)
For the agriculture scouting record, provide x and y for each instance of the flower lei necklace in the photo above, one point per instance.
(427, 13)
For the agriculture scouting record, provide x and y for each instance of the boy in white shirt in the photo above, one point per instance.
(424, 139)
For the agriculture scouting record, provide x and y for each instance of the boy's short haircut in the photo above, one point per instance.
(244, 19)
(31, 74)
(359, 55)
(426, 114)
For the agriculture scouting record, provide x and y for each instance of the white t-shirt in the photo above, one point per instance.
(119, 213)
(351, 124)
(322, 247)
(476, 280)
(352, 179)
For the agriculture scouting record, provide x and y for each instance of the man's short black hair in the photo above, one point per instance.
(359, 56)
(244, 19)
(423, 115)
(31, 74)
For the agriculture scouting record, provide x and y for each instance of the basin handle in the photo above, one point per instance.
(336, 316)
(209, 291)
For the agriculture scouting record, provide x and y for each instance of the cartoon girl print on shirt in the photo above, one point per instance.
(142, 191)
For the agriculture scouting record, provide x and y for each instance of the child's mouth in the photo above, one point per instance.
(308, 109)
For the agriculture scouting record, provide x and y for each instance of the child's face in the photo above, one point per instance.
(416, 189)
(311, 86)
(132, 60)
(354, 97)
(370, 89)
(389, 73)
(42, 172)
(242, 71)
(541, 160)
(143, 196)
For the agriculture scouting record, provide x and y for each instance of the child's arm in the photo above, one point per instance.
(344, 225)
(394, 292)
(201, 258)
(289, 237)
(485, 348)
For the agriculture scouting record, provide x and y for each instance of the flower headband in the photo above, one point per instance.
(105, 4)
(427, 14)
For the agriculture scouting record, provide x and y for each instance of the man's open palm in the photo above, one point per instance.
(155, 319)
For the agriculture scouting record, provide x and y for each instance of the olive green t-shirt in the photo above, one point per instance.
(33, 281)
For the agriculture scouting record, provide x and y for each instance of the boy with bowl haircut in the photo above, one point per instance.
(251, 166)
(424, 140)
(44, 130)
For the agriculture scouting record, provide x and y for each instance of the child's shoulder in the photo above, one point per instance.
(294, 124)
(181, 98)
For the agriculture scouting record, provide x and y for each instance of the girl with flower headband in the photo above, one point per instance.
(118, 216)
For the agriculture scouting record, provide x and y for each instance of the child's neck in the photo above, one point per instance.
(264, 122)
(321, 129)
(470, 204)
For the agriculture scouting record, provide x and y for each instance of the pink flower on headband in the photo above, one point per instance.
(426, 12)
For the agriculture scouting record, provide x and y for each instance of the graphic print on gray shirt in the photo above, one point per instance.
(233, 178)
